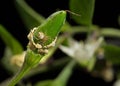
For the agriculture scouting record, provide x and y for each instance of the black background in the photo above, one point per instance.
(105, 15)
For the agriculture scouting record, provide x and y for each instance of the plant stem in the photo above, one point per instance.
(24, 70)
(45, 68)
(111, 32)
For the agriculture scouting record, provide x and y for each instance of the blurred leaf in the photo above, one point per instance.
(85, 8)
(112, 53)
(13, 47)
(62, 78)
(6, 61)
(66, 27)
(112, 32)
(29, 16)
(10, 41)
(44, 83)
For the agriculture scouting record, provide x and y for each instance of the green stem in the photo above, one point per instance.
(63, 77)
(44, 68)
(24, 70)
(31, 60)
(77, 29)
(111, 32)
(67, 71)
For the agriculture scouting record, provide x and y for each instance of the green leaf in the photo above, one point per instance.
(44, 83)
(13, 48)
(29, 16)
(85, 8)
(51, 27)
(112, 32)
(112, 53)
(10, 41)
(63, 77)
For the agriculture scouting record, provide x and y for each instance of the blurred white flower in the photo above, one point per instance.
(81, 51)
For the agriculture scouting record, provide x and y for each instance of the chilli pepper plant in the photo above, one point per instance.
(48, 36)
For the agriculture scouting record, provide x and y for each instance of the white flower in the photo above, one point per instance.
(81, 51)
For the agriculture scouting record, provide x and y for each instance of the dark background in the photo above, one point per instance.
(105, 15)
